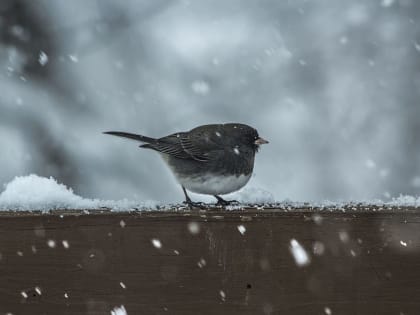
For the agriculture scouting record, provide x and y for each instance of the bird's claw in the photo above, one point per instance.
(223, 203)
(192, 204)
(227, 203)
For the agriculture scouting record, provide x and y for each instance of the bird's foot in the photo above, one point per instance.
(194, 205)
(223, 203)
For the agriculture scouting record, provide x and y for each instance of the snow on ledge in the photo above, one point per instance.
(404, 201)
(40, 193)
(33, 192)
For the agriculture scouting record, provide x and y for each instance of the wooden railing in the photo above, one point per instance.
(363, 260)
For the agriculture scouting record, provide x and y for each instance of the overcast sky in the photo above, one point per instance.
(333, 85)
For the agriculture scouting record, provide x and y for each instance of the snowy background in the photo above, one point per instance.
(333, 85)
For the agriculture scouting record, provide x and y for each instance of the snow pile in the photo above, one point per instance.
(404, 201)
(32, 191)
(252, 195)
(40, 193)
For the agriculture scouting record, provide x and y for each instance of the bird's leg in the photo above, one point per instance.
(222, 202)
(187, 198)
(189, 202)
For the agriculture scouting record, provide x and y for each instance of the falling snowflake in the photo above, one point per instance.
(344, 236)
(241, 229)
(369, 163)
(43, 58)
(317, 218)
(200, 87)
(318, 248)
(202, 263)
(156, 243)
(343, 40)
(299, 254)
(194, 228)
(51, 243)
(415, 182)
(222, 295)
(119, 310)
(387, 3)
(74, 58)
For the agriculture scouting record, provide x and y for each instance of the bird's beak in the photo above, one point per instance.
(260, 141)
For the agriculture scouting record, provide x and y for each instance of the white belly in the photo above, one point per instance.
(214, 185)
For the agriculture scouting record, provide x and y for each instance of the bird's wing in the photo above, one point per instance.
(184, 146)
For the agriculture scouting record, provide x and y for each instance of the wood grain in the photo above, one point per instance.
(370, 264)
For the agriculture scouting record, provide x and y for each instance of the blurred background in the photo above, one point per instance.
(334, 85)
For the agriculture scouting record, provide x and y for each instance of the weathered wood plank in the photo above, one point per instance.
(365, 267)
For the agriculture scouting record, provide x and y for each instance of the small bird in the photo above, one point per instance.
(212, 159)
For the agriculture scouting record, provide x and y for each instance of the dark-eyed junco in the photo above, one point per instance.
(210, 159)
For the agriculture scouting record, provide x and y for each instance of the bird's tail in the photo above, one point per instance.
(131, 136)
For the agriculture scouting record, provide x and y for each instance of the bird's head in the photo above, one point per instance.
(245, 135)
